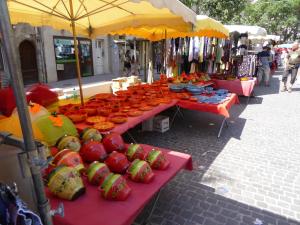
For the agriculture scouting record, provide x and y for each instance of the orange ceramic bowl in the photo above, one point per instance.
(104, 111)
(135, 113)
(77, 117)
(103, 96)
(118, 119)
(104, 126)
(90, 110)
(95, 119)
(146, 108)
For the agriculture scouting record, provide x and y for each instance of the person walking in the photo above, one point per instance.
(127, 63)
(264, 59)
(292, 66)
(158, 63)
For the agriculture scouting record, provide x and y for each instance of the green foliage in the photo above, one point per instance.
(281, 17)
(226, 11)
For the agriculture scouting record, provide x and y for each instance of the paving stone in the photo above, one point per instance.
(180, 219)
(232, 222)
(210, 222)
(254, 160)
(198, 219)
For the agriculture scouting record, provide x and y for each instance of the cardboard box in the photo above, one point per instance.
(161, 123)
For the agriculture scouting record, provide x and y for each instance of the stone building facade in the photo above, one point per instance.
(38, 54)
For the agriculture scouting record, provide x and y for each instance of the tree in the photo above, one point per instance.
(226, 11)
(279, 17)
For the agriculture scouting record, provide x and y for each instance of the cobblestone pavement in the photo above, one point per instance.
(251, 175)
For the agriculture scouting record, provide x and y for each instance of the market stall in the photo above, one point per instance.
(239, 87)
(133, 121)
(221, 109)
(91, 209)
(86, 17)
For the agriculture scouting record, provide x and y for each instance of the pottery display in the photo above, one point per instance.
(69, 142)
(69, 158)
(135, 113)
(140, 171)
(135, 151)
(113, 142)
(90, 110)
(66, 183)
(117, 162)
(97, 172)
(118, 119)
(115, 187)
(77, 116)
(90, 134)
(157, 160)
(93, 151)
(95, 119)
(146, 108)
(104, 126)
(104, 111)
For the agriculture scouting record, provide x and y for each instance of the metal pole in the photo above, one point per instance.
(165, 51)
(76, 51)
(13, 62)
(145, 61)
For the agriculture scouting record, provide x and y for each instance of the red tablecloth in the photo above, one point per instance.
(133, 121)
(92, 209)
(221, 109)
(238, 87)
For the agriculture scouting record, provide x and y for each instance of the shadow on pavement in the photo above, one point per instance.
(195, 134)
(274, 88)
(187, 200)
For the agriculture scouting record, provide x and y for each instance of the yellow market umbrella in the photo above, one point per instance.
(173, 27)
(160, 27)
(85, 16)
(208, 27)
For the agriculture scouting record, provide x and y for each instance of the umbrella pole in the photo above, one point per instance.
(145, 61)
(76, 52)
(13, 63)
(165, 51)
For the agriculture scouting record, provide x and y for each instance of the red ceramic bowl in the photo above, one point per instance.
(104, 111)
(90, 110)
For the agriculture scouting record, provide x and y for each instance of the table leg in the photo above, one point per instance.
(249, 97)
(226, 123)
(248, 100)
(153, 206)
(178, 112)
(222, 125)
(131, 137)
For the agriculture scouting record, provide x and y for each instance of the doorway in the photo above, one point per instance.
(99, 54)
(28, 62)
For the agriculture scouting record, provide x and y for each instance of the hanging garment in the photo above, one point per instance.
(196, 49)
(206, 48)
(191, 50)
(169, 71)
(201, 49)
(167, 53)
(179, 59)
(244, 68)
(210, 67)
(175, 71)
(193, 68)
(219, 51)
